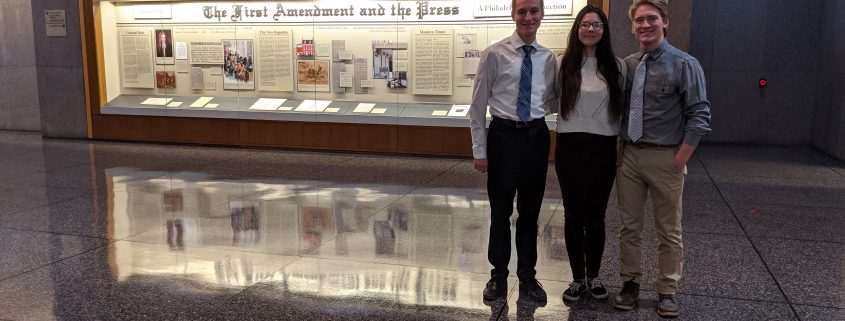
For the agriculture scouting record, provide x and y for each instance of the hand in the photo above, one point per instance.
(481, 165)
(683, 155)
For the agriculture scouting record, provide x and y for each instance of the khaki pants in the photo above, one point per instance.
(651, 171)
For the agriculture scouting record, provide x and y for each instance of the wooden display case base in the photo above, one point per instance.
(371, 138)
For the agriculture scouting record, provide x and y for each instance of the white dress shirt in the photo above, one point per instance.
(497, 85)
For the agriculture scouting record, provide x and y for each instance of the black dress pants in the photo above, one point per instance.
(586, 167)
(518, 160)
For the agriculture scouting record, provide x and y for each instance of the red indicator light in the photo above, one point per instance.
(762, 82)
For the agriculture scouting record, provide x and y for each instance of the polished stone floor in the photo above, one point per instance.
(120, 231)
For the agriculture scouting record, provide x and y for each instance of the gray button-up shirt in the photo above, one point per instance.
(675, 105)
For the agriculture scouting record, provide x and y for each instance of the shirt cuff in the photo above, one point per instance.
(692, 139)
(479, 153)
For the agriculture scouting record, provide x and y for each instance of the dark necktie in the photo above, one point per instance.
(523, 102)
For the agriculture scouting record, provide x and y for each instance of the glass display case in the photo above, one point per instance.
(401, 64)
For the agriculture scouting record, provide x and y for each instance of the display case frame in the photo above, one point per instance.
(406, 126)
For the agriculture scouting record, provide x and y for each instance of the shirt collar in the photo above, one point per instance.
(654, 54)
(517, 42)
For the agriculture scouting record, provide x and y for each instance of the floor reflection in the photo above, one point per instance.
(337, 242)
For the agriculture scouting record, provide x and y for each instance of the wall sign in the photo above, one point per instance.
(56, 25)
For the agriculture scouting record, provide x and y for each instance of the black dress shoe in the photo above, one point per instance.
(532, 290)
(495, 289)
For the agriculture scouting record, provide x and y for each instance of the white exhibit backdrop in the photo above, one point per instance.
(445, 38)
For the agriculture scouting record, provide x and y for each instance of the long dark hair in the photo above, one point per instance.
(606, 65)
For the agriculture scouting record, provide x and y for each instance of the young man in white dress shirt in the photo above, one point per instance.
(516, 79)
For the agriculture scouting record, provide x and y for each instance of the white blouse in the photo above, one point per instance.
(590, 114)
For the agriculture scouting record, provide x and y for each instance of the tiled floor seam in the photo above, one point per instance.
(341, 259)
(711, 233)
(800, 240)
(834, 171)
(352, 157)
(511, 296)
(825, 163)
(25, 174)
(750, 241)
(48, 203)
(740, 200)
(129, 236)
(819, 207)
(221, 248)
(724, 297)
(45, 205)
(820, 306)
(223, 161)
(501, 311)
(441, 173)
(56, 186)
(771, 177)
(616, 288)
(54, 262)
(56, 233)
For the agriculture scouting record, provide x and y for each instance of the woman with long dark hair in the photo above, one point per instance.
(591, 82)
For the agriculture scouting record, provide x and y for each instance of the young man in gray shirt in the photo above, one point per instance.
(668, 115)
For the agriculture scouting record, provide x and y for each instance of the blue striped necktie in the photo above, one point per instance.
(523, 102)
(635, 119)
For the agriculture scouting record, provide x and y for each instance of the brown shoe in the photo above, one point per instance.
(629, 296)
(667, 306)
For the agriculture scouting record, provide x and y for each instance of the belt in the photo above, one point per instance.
(650, 145)
(518, 124)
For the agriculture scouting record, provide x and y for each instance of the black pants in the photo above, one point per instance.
(518, 160)
(586, 167)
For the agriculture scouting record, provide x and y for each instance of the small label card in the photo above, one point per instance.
(314, 106)
(156, 101)
(201, 102)
(459, 111)
(364, 108)
(267, 104)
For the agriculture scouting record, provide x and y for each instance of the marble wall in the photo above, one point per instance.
(59, 67)
(829, 115)
(19, 101)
